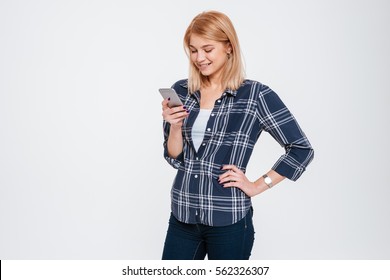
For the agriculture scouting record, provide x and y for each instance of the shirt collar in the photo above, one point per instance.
(227, 91)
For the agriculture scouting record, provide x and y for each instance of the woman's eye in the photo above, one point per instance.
(192, 51)
(208, 51)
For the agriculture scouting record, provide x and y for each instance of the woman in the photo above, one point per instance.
(210, 140)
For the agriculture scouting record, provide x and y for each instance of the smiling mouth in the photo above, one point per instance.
(204, 65)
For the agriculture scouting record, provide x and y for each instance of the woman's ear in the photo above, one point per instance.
(229, 48)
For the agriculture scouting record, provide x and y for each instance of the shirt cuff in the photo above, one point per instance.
(290, 168)
(174, 162)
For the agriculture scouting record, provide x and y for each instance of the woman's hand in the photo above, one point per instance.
(234, 177)
(174, 115)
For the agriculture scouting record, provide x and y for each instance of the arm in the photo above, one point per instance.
(234, 177)
(173, 121)
(279, 122)
(175, 142)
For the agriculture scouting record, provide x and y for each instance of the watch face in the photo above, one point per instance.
(267, 180)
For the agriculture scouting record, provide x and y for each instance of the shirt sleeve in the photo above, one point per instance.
(283, 127)
(174, 162)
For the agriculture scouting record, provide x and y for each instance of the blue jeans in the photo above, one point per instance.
(194, 241)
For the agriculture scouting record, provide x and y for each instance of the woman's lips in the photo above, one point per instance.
(203, 66)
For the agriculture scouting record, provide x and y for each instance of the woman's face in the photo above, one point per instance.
(208, 56)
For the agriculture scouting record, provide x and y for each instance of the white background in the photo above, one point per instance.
(81, 169)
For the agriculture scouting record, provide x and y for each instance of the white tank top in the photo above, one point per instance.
(199, 127)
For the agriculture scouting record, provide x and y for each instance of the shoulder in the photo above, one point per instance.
(263, 95)
(181, 87)
(254, 89)
(253, 85)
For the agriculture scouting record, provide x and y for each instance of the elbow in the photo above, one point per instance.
(310, 156)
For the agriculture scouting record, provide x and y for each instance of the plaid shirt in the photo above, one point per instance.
(235, 124)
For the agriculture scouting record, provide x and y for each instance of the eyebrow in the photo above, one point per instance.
(204, 46)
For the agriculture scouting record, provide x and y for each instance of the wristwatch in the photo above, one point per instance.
(267, 180)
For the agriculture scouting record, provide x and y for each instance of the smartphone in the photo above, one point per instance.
(174, 98)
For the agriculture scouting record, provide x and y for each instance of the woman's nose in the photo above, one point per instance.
(200, 56)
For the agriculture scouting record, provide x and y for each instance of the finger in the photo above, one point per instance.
(231, 185)
(231, 177)
(236, 169)
(172, 111)
(175, 118)
(226, 175)
(230, 167)
(223, 176)
(227, 166)
(179, 115)
(178, 109)
(164, 103)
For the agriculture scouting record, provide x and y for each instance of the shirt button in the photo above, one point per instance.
(196, 176)
(197, 158)
(204, 144)
(219, 101)
(209, 129)
(212, 114)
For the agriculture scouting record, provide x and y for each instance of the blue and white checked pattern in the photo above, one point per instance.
(235, 124)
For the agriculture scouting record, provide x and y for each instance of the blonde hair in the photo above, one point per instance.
(216, 26)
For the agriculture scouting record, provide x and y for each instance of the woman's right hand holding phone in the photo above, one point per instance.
(175, 115)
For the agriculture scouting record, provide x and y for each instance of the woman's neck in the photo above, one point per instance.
(209, 94)
(213, 85)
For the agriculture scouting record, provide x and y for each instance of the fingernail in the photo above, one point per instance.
(169, 98)
(187, 111)
(184, 107)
